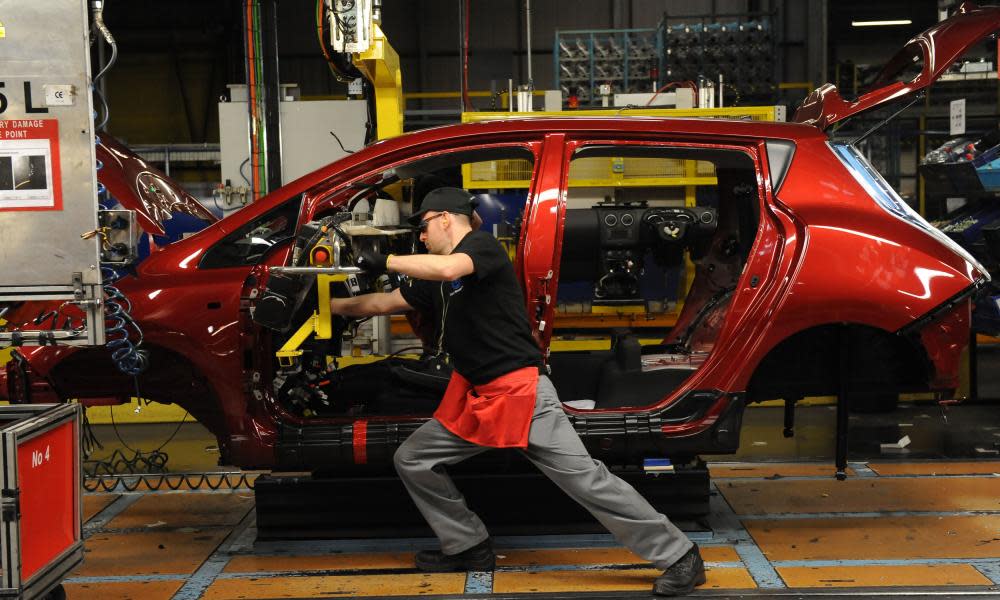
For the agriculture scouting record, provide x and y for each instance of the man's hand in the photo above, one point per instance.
(373, 263)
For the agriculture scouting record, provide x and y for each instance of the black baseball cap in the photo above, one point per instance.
(446, 199)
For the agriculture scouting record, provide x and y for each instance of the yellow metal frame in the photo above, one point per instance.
(754, 113)
(320, 323)
(618, 309)
(380, 65)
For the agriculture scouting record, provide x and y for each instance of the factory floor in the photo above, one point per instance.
(918, 520)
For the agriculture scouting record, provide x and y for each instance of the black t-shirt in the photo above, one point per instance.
(481, 318)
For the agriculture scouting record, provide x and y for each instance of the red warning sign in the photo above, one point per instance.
(29, 165)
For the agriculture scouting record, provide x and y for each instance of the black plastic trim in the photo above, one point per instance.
(943, 308)
(616, 438)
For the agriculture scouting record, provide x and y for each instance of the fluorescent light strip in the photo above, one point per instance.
(880, 23)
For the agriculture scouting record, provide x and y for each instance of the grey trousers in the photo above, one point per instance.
(556, 449)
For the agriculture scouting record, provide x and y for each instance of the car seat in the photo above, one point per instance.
(624, 383)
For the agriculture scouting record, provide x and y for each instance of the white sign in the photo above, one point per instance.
(26, 174)
(957, 125)
(59, 95)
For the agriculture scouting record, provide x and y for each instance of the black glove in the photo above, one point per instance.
(372, 262)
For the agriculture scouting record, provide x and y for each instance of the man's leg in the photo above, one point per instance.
(420, 462)
(556, 449)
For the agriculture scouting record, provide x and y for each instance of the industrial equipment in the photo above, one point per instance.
(41, 498)
(323, 131)
(362, 49)
(50, 239)
(358, 52)
(734, 51)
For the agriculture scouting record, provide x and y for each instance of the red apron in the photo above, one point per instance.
(496, 414)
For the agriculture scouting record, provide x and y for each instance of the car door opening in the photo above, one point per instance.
(656, 249)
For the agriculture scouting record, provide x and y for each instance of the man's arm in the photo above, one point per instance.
(368, 305)
(432, 267)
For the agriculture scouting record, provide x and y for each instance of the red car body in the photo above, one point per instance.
(835, 268)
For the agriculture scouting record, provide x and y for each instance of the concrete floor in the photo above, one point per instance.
(922, 520)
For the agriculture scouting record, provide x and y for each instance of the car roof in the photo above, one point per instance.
(444, 136)
(635, 124)
(732, 128)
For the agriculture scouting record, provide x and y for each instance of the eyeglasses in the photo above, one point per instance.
(422, 227)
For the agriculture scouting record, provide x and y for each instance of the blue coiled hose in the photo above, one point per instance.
(118, 321)
(118, 326)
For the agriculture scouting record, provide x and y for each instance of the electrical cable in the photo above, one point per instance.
(371, 131)
(690, 84)
(172, 481)
(320, 35)
(339, 64)
(407, 349)
(251, 97)
(261, 100)
(88, 439)
(97, 10)
(242, 174)
(341, 143)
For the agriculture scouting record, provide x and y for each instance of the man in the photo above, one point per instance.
(498, 399)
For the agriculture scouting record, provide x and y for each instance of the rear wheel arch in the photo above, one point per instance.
(808, 363)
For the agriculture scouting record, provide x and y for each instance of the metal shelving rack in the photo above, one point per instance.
(740, 47)
(629, 60)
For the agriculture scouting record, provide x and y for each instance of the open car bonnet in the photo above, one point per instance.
(932, 52)
(141, 187)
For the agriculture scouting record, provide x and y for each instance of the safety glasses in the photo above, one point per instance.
(422, 227)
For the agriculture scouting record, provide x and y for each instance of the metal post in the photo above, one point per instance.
(789, 429)
(843, 403)
(527, 17)
(461, 55)
(272, 92)
(973, 368)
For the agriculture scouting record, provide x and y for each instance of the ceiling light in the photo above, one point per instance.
(880, 23)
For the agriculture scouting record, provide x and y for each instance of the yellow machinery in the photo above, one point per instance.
(319, 324)
(356, 33)
(380, 65)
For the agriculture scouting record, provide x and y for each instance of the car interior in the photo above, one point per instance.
(673, 254)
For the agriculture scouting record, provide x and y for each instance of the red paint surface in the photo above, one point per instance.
(50, 502)
(360, 442)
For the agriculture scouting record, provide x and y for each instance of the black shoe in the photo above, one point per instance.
(477, 558)
(682, 576)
